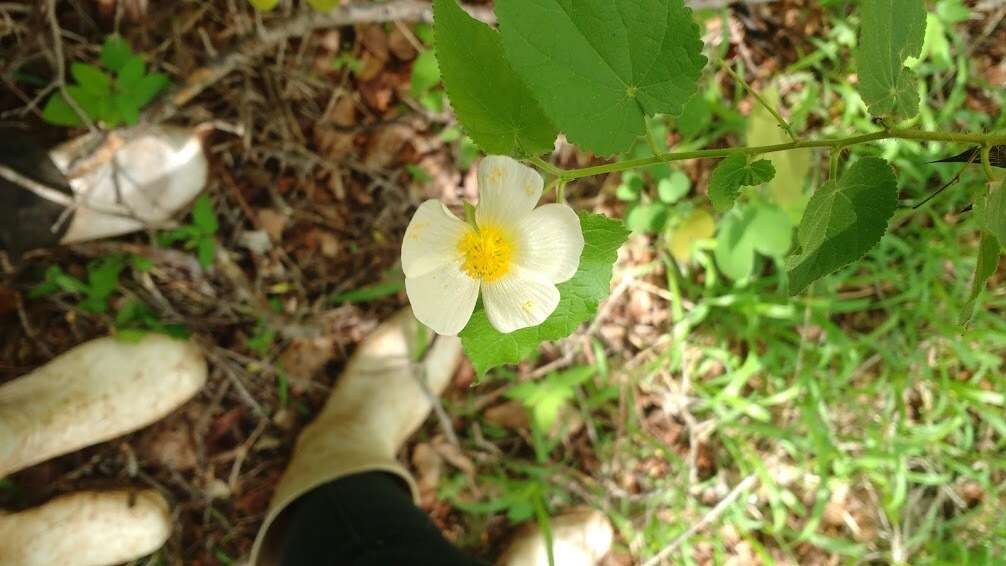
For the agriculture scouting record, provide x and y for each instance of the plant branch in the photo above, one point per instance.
(987, 162)
(761, 100)
(547, 167)
(834, 143)
(651, 140)
(57, 48)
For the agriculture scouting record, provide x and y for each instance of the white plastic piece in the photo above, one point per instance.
(95, 392)
(158, 173)
(86, 528)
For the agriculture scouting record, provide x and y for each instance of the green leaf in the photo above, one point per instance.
(757, 226)
(696, 116)
(988, 261)
(59, 113)
(264, 5)
(126, 107)
(92, 79)
(425, 73)
(634, 57)
(647, 217)
(792, 167)
(671, 189)
(131, 73)
(323, 5)
(844, 219)
(115, 53)
(370, 293)
(579, 297)
(141, 264)
(632, 184)
(990, 210)
(95, 106)
(771, 230)
(953, 11)
(57, 280)
(204, 217)
(206, 251)
(496, 109)
(734, 248)
(734, 172)
(102, 280)
(892, 31)
(149, 87)
(546, 398)
(693, 228)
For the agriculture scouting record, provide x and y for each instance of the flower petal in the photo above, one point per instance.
(444, 298)
(518, 300)
(551, 242)
(508, 191)
(431, 240)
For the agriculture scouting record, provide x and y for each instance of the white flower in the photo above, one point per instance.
(515, 253)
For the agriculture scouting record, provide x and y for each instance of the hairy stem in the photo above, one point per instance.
(986, 161)
(833, 143)
(761, 100)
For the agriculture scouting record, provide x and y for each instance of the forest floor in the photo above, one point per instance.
(856, 422)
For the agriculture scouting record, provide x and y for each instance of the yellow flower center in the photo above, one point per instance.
(487, 253)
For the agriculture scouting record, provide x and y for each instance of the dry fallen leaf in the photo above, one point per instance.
(170, 445)
(429, 466)
(511, 415)
(273, 223)
(454, 456)
(304, 358)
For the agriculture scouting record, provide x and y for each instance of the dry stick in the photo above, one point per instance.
(14, 7)
(709, 517)
(438, 407)
(50, 194)
(57, 47)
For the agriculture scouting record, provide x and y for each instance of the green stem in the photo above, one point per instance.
(986, 161)
(919, 135)
(546, 166)
(651, 140)
(775, 113)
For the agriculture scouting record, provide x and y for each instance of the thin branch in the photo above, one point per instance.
(57, 47)
(987, 162)
(919, 135)
(709, 517)
(761, 100)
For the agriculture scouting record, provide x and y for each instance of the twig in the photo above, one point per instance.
(438, 406)
(57, 47)
(43, 191)
(51, 194)
(761, 100)
(713, 514)
(14, 7)
(29, 330)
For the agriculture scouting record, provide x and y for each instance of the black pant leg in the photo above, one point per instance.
(366, 519)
